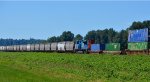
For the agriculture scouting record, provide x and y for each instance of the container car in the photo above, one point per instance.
(138, 48)
(138, 41)
(112, 48)
(97, 48)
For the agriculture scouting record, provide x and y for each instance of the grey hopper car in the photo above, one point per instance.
(10, 48)
(15, 48)
(18, 47)
(61, 46)
(21, 47)
(47, 47)
(37, 47)
(28, 47)
(54, 46)
(24, 47)
(5, 48)
(42, 47)
(70, 46)
(1, 48)
(32, 47)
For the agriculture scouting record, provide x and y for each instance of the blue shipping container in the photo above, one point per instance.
(140, 35)
(97, 47)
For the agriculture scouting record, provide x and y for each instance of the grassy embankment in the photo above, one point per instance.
(61, 67)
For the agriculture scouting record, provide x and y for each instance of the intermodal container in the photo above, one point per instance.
(138, 46)
(97, 47)
(140, 35)
(112, 47)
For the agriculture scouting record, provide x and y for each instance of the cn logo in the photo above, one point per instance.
(115, 46)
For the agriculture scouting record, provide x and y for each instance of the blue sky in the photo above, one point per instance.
(42, 19)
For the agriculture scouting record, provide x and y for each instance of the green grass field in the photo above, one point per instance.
(67, 67)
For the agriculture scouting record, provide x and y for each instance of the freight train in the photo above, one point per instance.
(138, 43)
(65, 46)
(77, 47)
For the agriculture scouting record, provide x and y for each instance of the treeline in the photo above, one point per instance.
(100, 36)
(65, 36)
(5, 42)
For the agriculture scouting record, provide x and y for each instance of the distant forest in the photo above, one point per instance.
(100, 36)
(5, 42)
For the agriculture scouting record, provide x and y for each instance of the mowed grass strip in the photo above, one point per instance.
(69, 67)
